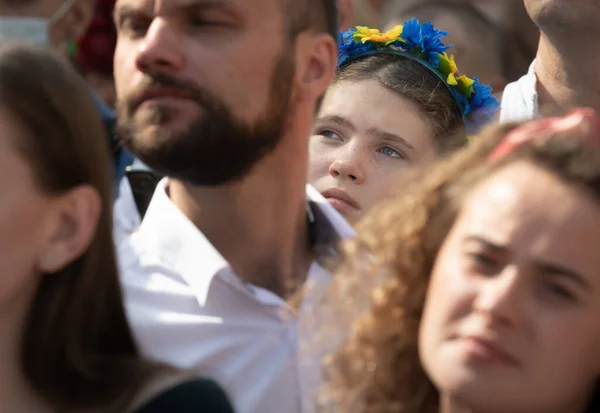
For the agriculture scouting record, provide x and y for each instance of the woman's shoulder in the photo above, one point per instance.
(191, 396)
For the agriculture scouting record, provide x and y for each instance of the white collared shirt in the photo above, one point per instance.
(188, 309)
(520, 99)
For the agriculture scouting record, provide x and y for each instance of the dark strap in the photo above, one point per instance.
(143, 184)
(324, 239)
(113, 139)
(197, 396)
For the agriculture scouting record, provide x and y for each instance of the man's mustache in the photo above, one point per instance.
(154, 82)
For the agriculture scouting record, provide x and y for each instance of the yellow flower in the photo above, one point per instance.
(465, 85)
(365, 34)
(448, 67)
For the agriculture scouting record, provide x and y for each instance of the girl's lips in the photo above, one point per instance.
(340, 199)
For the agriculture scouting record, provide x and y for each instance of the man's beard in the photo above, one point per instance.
(217, 148)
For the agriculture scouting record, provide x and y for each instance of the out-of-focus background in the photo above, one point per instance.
(493, 39)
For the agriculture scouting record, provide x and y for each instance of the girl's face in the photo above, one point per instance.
(364, 137)
(512, 316)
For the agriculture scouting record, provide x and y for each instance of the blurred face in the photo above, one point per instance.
(61, 21)
(24, 214)
(563, 15)
(512, 317)
(365, 136)
(478, 56)
(204, 87)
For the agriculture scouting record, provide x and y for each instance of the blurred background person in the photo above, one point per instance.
(66, 343)
(368, 12)
(481, 45)
(508, 15)
(59, 24)
(346, 14)
(564, 74)
(94, 52)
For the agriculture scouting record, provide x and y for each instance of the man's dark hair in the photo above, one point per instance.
(315, 15)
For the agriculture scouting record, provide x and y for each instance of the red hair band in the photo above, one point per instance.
(582, 120)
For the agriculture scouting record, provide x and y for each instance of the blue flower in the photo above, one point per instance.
(463, 102)
(480, 93)
(432, 39)
(434, 59)
(483, 106)
(348, 47)
(424, 43)
(411, 32)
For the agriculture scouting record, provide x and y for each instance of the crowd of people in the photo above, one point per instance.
(299, 206)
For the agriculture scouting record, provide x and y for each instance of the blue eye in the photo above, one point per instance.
(391, 152)
(330, 134)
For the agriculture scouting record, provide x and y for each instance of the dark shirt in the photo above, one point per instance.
(196, 396)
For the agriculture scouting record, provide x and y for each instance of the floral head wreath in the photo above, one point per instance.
(422, 43)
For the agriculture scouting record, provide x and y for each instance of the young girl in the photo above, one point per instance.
(486, 290)
(66, 345)
(398, 100)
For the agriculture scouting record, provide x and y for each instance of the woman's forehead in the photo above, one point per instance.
(527, 207)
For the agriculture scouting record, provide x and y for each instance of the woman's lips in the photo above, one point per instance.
(340, 200)
(487, 351)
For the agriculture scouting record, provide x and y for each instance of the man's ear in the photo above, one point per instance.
(71, 228)
(316, 57)
(80, 17)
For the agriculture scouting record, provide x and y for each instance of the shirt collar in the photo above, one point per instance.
(182, 247)
(178, 242)
(520, 99)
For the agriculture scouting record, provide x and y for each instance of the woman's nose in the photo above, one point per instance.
(348, 166)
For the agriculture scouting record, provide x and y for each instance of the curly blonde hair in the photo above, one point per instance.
(372, 312)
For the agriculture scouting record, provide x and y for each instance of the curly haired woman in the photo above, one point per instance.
(478, 290)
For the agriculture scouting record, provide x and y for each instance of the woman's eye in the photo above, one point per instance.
(482, 263)
(330, 134)
(558, 291)
(391, 152)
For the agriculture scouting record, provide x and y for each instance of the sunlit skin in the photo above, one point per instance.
(511, 321)
(365, 136)
(178, 38)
